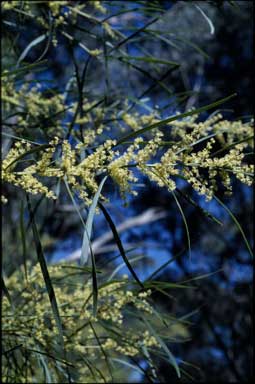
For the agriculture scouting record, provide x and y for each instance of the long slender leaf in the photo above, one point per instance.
(153, 85)
(88, 225)
(25, 68)
(19, 138)
(119, 267)
(92, 259)
(73, 201)
(204, 276)
(165, 265)
(119, 243)
(12, 349)
(44, 364)
(94, 281)
(148, 74)
(171, 357)
(6, 292)
(198, 142)
(236, 223)
(127, 364)
(184, 220)
(159, 36)
(46, 276)
(245, 139)
(35, 208)
(33, 43)
(147, 60)
(212, 29)
(202, 210)
(165, 284)
(92, 367)
(173, 118)
(63, 361)
(29, 152)
(49, 34)
(142, 29)
(148, 357)
(86, 244)
(108, 362)
(23, 238)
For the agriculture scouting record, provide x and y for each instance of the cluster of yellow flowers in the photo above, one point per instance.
(25, 179)
(32, 106)
(202, 167)
(184, 160)
(135, 121)
(97, 4)
(62, 12)
(87, 169)
(227, 131)
(222, 167)
(54, 6)
(8, 5)
(84, 335)
(191, 154)
(199, 167)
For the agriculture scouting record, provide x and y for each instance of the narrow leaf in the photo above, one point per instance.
(119, 243)
(25, 68)
(184, 220)
(129, 365)
(137, 32)
(6, 292)
(88, 225)
(29, 152)
(19, 138)
(147, 60)
(236, 223)
(171, 357)
(23, 238)
(119, 267)
(107, 361)
(44, 364)
(202, 210)
(165, 265)
(245, 139)
(86, 244)
(173, 118)
(212, 29)
(33, 43)
(73, 201)
(46, 275)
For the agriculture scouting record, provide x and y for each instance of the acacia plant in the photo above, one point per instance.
(75, 139)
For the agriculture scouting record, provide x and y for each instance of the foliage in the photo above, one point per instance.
(182, 159)
(74, 136)
(91, 343)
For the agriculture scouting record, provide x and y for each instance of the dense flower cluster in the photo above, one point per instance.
(85, 336)
(25, 179)
(32, 106)
(201, 167)
(61, 13)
